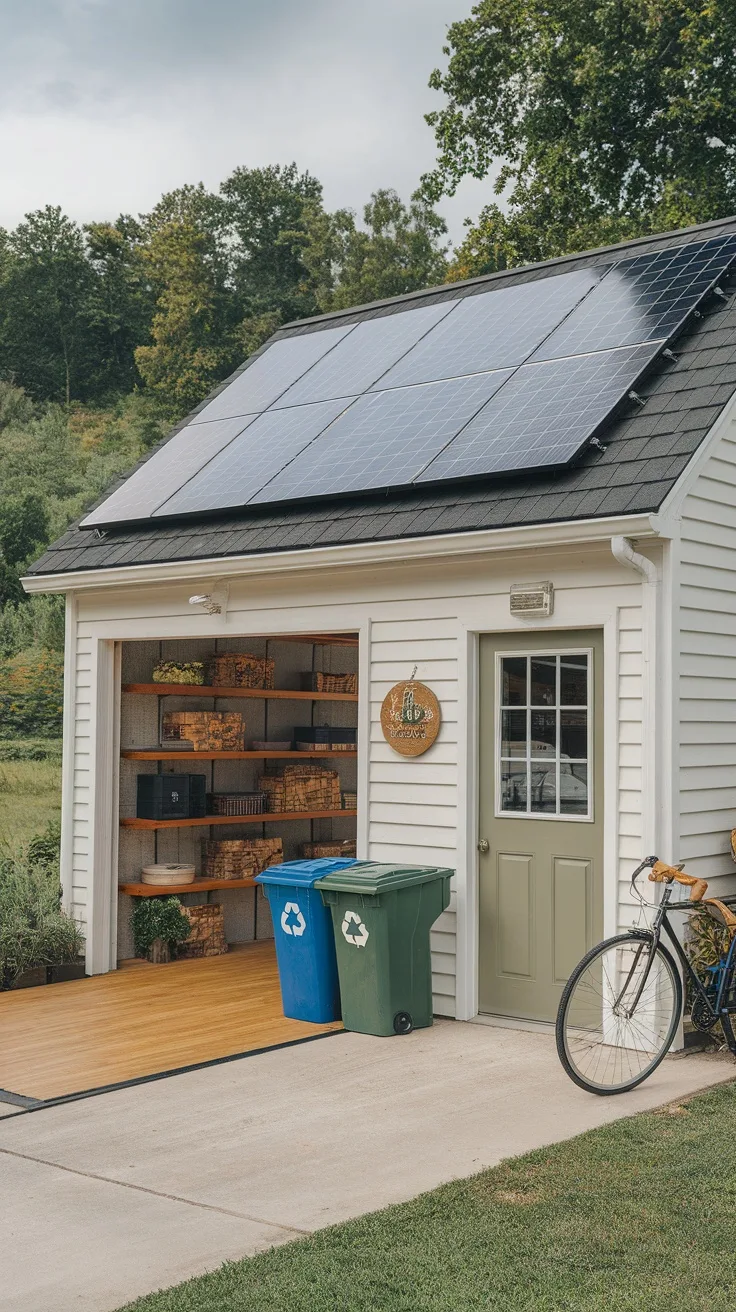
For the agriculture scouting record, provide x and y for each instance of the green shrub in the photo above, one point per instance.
(32, 693)
(158, 917)
(34, 931)
(31, 749)
(44, 848)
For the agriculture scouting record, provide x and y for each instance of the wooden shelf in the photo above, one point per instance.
(197, 886)
(210, 690)
(140, 754)
(132, 822)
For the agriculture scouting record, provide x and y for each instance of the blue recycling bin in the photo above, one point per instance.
(305, 944)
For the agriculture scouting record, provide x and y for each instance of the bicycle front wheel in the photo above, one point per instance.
(618, 1014)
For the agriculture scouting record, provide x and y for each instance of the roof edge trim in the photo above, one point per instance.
(398, 550)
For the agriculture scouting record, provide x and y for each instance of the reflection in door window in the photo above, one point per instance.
(543, 765)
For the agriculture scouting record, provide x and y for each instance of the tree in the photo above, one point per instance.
(121, 304)
(266, 212)
(610, 120)
(45, 287)
(193, 340)
(398, 251)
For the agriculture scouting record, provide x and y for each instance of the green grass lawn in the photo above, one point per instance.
(30, 796)
(637, 1215)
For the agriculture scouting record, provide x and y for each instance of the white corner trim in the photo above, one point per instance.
(402, 550)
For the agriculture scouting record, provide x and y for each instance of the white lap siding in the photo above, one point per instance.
(413, 801)
(410, 810)
(707, 670)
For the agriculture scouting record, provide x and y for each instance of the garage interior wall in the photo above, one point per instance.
(246, 910)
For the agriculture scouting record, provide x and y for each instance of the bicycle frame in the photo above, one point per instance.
(653, 937)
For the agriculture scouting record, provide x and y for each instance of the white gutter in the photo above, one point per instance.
(653, 680)
(443, 546)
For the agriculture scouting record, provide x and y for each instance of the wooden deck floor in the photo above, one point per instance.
(142, 1020)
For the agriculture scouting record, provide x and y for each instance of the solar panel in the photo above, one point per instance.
(271, 373)
(236, 474)
(166, 471)
(491, 330)
(547, 411)
(641, 299)
(364, 355)
(384, 438)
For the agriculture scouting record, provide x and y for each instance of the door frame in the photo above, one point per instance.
(579, 616)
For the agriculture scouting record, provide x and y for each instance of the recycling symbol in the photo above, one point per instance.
(353, 929)
(292, 920)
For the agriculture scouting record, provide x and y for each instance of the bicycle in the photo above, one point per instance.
(622, 1004)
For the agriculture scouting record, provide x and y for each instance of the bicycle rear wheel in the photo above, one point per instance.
(618, 1014)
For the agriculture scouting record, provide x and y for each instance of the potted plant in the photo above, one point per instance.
(159, 923)
(36, 936)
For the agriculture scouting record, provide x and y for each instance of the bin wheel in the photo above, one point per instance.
(403, 1023)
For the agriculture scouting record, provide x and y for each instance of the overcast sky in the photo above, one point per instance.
(105, 104)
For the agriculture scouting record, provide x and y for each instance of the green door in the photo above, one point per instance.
(541, 816)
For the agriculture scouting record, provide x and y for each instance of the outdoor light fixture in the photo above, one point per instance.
(214, 602)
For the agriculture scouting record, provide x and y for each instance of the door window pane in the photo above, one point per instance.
(514, 681)
(574, 734)
(513, 733)
(573, 788)
(513, 786)
(543, 733)
(544, 681)
(573, 680)
(544, 787)
(543, 766)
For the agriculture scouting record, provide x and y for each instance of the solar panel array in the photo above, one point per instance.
(498, 381)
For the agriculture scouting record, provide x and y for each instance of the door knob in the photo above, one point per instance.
(483, 845)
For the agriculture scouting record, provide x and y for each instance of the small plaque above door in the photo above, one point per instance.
(410, 718)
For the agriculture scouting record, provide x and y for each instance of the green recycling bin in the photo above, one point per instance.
(382, 915)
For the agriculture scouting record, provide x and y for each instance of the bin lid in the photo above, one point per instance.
(304, 874)
(373, 877)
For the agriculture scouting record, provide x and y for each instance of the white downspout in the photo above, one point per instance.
(651, 789)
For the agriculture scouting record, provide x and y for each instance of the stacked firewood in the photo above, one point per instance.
(313, 851)
(208, 731)
(207, 935)
(241, 858)
(241, 670)
(301, 788)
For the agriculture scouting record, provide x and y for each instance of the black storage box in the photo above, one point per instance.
(343, 737)
(171, 796)
(313, 733)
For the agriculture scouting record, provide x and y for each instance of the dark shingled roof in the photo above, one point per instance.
(647, 450)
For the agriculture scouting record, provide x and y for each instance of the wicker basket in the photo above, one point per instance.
(241, 858)
(179, 672)
(208, 731)
(237, 803)
(302, 788)
(313, 851)
(242, 670)
(319, 681)
(350, 801)
(207, 935)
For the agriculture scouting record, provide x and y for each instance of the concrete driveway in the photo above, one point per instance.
(115, 1196)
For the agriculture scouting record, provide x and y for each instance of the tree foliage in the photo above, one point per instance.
(610, 120)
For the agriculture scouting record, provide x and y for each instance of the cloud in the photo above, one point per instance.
(105, 105)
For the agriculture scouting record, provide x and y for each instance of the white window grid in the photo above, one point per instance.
(503, 761)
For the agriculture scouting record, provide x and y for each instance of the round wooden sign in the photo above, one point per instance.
(410, 718)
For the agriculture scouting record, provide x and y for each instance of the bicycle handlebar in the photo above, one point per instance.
(661, 873)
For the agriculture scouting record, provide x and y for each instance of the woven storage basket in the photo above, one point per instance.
(207, 935)
(313, 851)
(209, 731)
(179, 672)
(319, 681)
(241, 858)
(242, 670)
(167, 874)
(302, 788)
(237, 803)
(350, 801)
